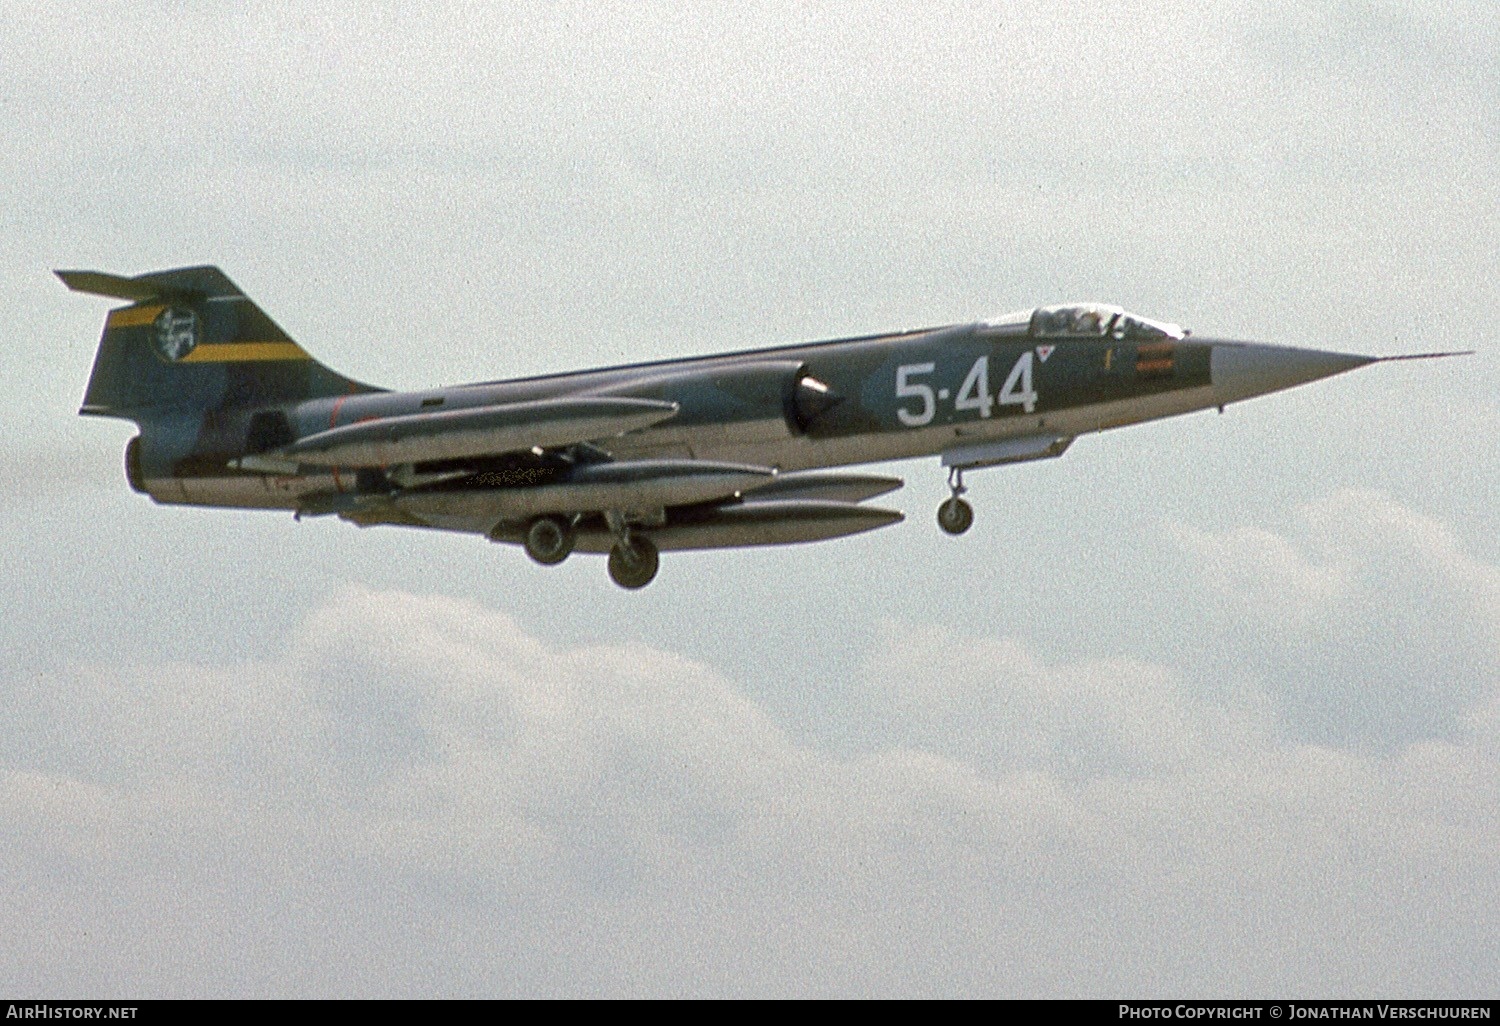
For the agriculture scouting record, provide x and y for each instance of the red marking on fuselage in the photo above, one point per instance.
(333, 422)
(333, 419)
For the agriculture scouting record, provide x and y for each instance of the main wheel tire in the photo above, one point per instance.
(549, 540)
(955, 516)
(634, 566)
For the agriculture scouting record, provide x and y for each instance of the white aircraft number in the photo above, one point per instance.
(973, 394)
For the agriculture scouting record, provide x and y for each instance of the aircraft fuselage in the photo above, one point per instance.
(712, 451)
(901, 396)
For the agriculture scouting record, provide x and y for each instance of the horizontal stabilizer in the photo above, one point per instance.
(481, 431)
(97, 283)
(183, 283)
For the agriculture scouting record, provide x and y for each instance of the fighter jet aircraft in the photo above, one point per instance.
(711, 452)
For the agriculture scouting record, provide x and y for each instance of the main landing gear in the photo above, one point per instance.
(633, 560)
(955, 516)
(633, 564)
(549, 540)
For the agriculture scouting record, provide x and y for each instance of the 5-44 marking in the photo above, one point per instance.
(973, 394)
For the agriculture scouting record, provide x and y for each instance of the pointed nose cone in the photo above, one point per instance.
(1242, 370)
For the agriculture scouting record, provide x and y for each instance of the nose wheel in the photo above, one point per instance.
(955, 516)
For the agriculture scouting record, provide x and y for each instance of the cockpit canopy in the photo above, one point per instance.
(1083, 320)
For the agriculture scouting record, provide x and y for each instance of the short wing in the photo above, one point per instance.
(476, 432)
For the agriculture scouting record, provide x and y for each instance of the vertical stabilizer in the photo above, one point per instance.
(191, 340)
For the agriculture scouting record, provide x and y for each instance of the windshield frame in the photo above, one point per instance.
(1075, 320)
(1097, 321)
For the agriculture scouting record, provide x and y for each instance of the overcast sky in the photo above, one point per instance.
(1207, 707)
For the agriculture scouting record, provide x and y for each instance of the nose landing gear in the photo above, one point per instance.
(955, 516)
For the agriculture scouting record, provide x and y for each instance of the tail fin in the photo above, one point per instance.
(191, 340)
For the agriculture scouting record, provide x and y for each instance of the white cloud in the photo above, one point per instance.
(1264, 574)
(1367, 622)
(1354, 527)
(1327, 562)
(998, 706)
(420, 786)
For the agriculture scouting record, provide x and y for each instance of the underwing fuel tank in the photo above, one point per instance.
(772, 522)
(825, 487)
(485, 430)
(635, 486)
